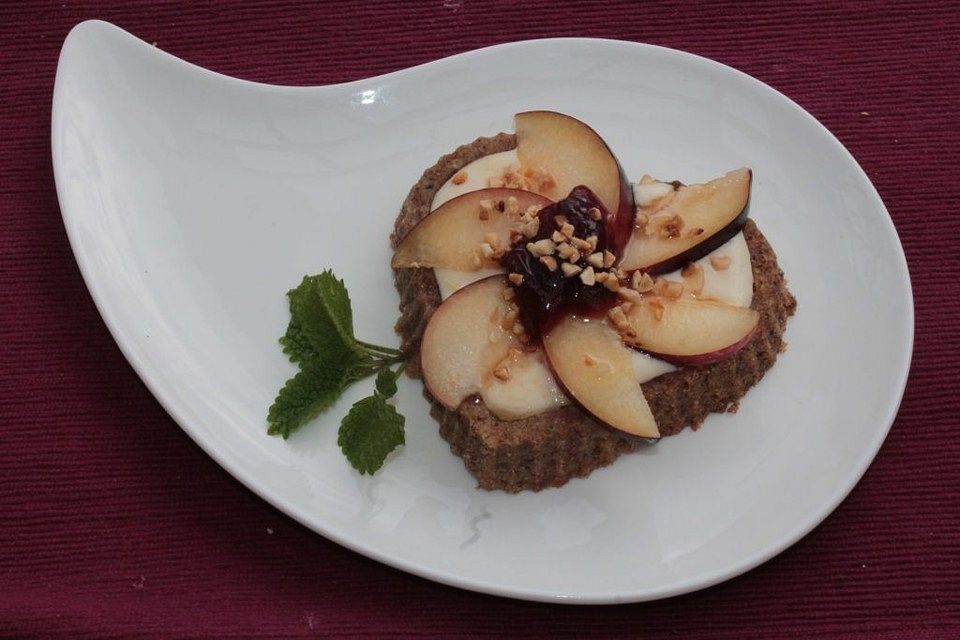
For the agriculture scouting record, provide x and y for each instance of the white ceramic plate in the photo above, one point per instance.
(193, 201)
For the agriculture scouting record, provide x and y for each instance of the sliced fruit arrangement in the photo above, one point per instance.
(587, 281)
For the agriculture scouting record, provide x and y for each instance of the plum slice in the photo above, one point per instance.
(452, 236)
(595, 369)
(709, 215)
(464, 340)
(689, 332)
(574, 154)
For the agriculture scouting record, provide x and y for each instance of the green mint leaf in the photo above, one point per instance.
(306, 395)
(386, 382)
(369, 432)
(295, 344)
(320, 310)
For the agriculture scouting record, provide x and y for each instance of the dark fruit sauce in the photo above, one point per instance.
(544, 295)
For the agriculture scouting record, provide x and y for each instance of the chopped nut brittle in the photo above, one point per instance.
(543, 247)
(549, 262)
(582, 245)
(720, 263)
(570, 270)
(526, 179)
(532, 228)
(668, 288)
(595, 260)
(657, 309)
(509, 319)
(628, 294)
(608, 259)
(588, 277)
(642, 282)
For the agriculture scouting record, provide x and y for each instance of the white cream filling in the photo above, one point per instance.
(732, 285)
(478, 173)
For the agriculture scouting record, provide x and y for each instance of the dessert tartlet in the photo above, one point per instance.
(560, 316)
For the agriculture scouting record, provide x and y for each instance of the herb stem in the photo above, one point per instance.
(379, 350)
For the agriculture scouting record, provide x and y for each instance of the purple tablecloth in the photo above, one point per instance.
(114, 524)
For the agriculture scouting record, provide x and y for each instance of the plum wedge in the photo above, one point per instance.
(574, 154)
(595, 369)
(452, 237)
(689, 332)
(464, 340)
(695, 220)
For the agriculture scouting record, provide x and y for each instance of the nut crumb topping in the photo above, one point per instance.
(589, 360)
(509, 319)
(460, 177)
(570, 270)
(549, 262)
(595, 213)
(657, 309)
(567, 230)
(513, 206)
(502, 373)
(642, 282)
(543, 247)
(665, 225)
(595, 260)
(612, 283)
(608, 259)
(720, 263)
(516, 278)
(582, 245)
(531, 228)
(588, 277)
(668, 288)
(558, 237)
(628, 294)
(526, 178)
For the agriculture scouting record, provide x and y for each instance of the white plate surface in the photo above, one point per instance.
(193, 201)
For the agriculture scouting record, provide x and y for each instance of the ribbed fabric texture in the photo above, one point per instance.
(114, 524)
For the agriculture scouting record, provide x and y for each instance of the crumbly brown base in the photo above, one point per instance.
(549, 449)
